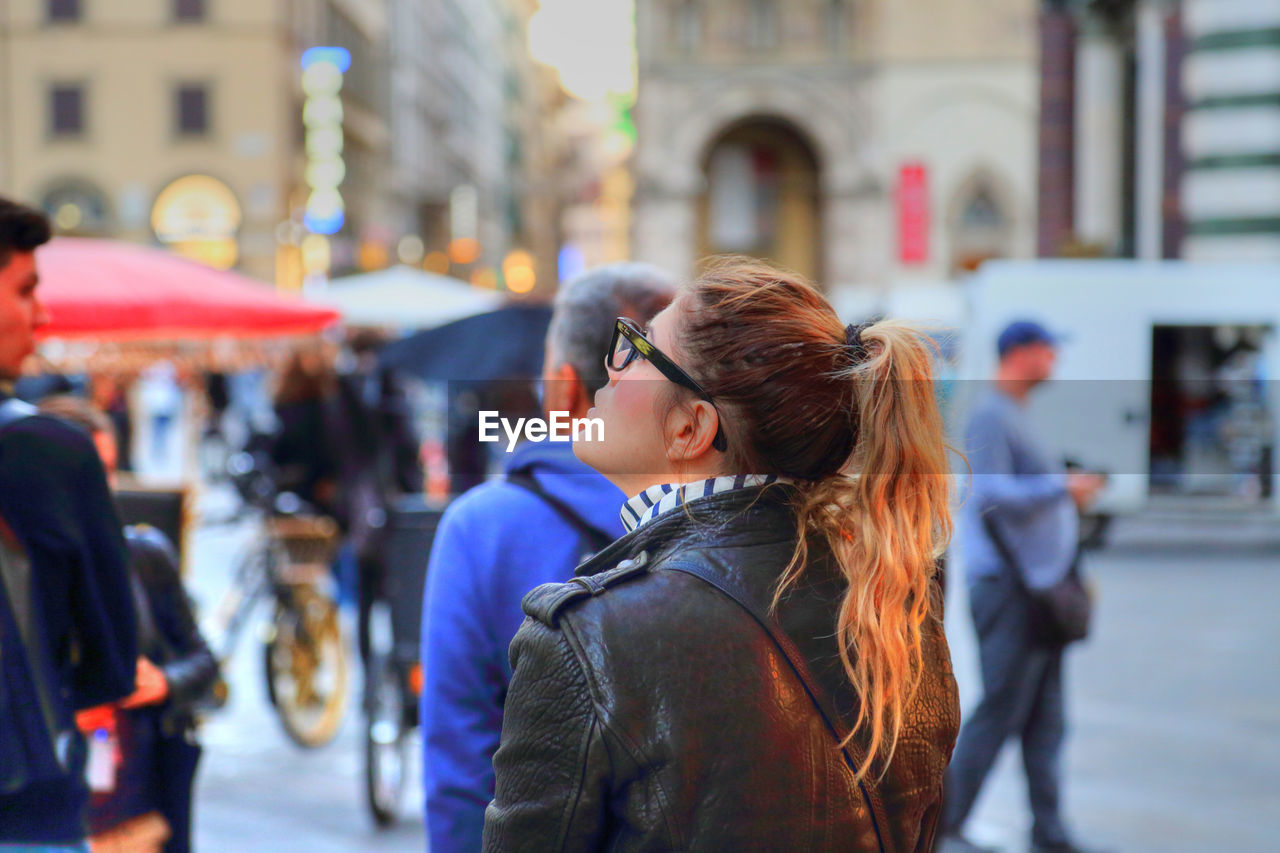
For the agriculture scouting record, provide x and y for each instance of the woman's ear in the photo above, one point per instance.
(692, 430)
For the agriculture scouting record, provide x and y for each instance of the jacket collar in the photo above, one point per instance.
(744, 516)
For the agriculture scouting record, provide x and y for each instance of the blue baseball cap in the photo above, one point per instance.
(1022, 332)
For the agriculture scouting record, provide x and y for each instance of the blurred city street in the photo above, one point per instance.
(256, 789)
(293, 255)
(1173, 707)
(1178, 681)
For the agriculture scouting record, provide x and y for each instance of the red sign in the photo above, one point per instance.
(913, 214)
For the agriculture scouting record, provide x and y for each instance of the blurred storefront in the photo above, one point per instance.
(192, 125)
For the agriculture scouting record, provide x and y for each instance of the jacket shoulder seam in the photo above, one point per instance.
(546, 603)
(571, 808)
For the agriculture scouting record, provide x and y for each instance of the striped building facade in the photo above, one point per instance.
(1231, 130)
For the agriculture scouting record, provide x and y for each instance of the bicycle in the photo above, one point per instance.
(304, 649)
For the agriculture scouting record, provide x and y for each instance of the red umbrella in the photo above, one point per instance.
(113, 291)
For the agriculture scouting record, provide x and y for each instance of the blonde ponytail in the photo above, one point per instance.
(858, 427)
(886, 519)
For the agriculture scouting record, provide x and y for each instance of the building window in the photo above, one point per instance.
(61, 11)
(76, 207)
(762, 26)
(192, 117)
(980, 227)
(188, 10)
(835, 24)
(66, 110)
(688, 25)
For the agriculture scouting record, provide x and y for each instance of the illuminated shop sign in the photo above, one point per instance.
(322, 70)
(197, 216)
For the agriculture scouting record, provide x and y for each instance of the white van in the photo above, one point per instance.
(1166, 379)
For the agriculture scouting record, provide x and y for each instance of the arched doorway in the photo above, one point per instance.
(761, 196)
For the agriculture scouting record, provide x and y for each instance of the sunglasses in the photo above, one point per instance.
(629, 343)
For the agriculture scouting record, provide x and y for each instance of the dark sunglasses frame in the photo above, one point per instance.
(642, 347)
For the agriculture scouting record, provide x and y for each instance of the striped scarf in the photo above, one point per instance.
(655, 500)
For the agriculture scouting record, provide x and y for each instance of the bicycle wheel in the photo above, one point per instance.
(386, 744)
(306, 668)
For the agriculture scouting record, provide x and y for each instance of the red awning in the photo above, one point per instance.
(114, 291)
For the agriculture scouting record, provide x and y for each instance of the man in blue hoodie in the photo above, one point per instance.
(503, 538)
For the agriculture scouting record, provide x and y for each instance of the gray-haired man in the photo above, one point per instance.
(503, 538)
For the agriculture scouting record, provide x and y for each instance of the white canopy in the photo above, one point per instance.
(404, 297)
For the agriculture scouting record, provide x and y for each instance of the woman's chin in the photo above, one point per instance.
(589, 453)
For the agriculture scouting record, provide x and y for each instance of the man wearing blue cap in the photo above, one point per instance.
(1022, 491)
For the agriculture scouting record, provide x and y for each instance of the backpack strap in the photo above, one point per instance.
(593, 537)
(852, 756)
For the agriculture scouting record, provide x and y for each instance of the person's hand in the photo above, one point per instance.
(1084, 488)
(149, 687)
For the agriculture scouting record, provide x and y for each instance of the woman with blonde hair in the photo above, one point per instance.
(759, 663)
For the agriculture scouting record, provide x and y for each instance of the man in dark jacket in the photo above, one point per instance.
(67, 632)
(502, 539)
(155, 727)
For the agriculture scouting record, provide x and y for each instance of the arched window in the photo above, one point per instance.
(979, 224)
(981, 212)
(762, 24)
(76, 207)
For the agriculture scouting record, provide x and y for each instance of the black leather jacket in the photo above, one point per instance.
(167, 631)
(155, 770)
(648, 711)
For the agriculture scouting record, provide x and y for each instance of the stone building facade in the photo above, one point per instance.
(150, 119)
(862, 143)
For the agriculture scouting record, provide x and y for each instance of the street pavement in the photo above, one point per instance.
(256, 790)
(1173, 742)
(1174, 716)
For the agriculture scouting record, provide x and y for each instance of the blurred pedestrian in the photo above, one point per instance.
(218, 394)
(162, 399)
(505, 537)
(301, 451)
(369, 428)
(68, 639)
(143, 800)
(1021, 491)
(108, 393)
(774, 600)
